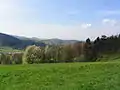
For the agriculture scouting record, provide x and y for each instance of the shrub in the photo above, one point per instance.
(32, 54)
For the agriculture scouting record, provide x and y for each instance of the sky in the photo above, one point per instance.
(63, 19)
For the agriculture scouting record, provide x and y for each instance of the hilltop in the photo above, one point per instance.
(11, 41)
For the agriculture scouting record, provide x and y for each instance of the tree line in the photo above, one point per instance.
(88, 51)
(47, 54)
(102, 45)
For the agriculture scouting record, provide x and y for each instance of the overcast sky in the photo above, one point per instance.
(64, 19)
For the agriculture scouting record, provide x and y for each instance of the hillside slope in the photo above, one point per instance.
(7, 40)
(53, 41)
(59, 41)
(11, 41)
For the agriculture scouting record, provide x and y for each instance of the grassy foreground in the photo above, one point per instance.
(71, 76)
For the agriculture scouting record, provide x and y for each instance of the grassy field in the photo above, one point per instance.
(8, 49)
(70, 76)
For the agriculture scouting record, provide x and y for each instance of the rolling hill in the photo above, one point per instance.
(20, 42)
(53, 41)
(11, 41)
(59, 41)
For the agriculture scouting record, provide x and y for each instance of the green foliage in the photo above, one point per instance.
(106, 45)
(70, 76)
(89, 53)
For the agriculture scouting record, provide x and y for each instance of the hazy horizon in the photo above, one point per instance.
(62, 19)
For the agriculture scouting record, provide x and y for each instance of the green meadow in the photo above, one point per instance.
(61, 76)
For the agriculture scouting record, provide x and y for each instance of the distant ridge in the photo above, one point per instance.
(54, 41)
(14, 42)
(22, 42)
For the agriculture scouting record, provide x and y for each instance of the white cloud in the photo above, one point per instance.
(111, 22)
(85, 26)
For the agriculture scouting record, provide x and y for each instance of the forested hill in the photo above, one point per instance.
(59, 41)
(22, 42)
(53, 41)
(102, 46)
(11, 41)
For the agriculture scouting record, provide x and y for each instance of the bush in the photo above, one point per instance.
(32, 54)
